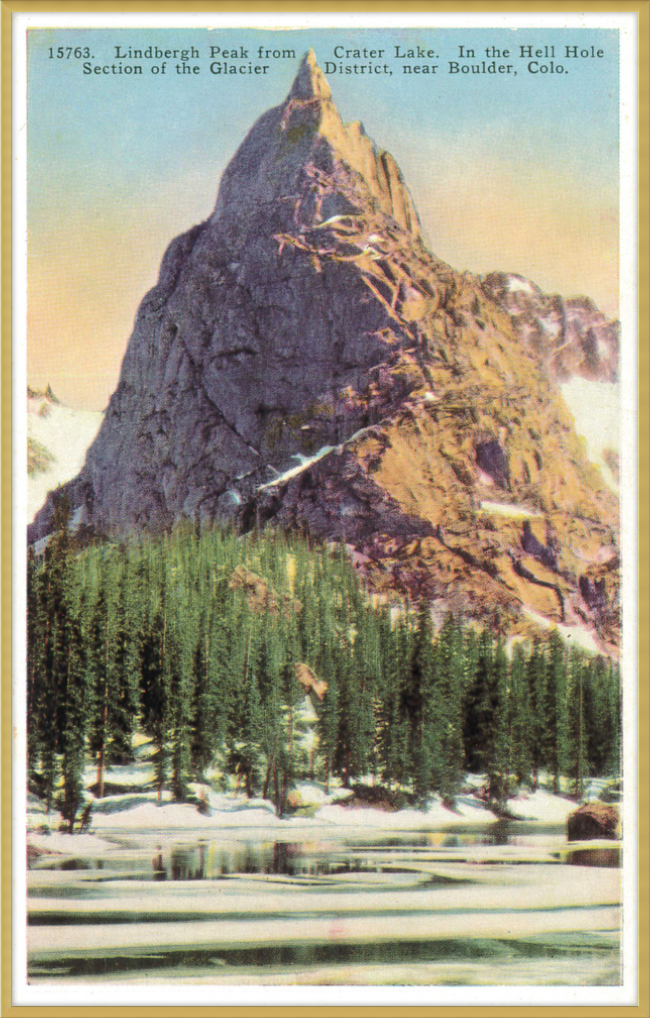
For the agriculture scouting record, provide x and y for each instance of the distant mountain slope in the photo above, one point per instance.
(57, 441)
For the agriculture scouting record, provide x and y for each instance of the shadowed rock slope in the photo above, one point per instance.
(305, 361)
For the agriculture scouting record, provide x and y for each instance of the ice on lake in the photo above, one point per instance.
(499, 905)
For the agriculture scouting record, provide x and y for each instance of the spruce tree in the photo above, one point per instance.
(536, 694)
(178, 661)
(520, 721)
(555, 709)
(449, 688)
(100, 658)
(123, 704)
(394, 730)
(328, 722)
(422, 708)
(498, 735)
(479, 713)
(576, 734)
(251, 735)
(56, 613)
(74, 732)
(202, 721)
(155, 693)
(37, 633)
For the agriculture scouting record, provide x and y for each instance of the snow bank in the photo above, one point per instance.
(70, 844)
(225, 811)
(468, 810)
(541, 806)
(240, 814)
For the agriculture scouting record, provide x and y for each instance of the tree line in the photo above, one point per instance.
(199, 640)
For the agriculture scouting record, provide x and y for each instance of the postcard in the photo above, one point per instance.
(325, 509)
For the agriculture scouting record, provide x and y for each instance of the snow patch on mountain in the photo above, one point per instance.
(596, 410)
(519, 284)
(578, 636)
(515, 511)
(304, 464)
(65, 435)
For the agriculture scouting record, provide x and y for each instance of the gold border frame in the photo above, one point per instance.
(7, 8)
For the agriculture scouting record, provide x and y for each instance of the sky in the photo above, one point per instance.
(513, 172)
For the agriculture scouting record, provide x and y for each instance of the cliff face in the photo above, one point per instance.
(305, 360)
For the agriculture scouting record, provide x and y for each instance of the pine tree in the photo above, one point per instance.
(74, 732)
(284, 763)
(37, 631)
(328, 722)
(449, 687)
(555, 709)
(519, 724)
(576, 734)
(479, 706)
(498, 752)
(394, 731)
(203, 735)
(100, 657)
(180, 705)
(421, 707)
(614, 712)
(123, 705)
(536, 694)
(602, 717)
(251, 735)
(269, 672)
(155, 693)
(56, 594)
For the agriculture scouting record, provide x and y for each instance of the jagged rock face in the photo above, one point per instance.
(571, 337)
(304, 360)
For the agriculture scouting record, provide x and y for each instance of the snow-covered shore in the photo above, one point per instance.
(139, 813)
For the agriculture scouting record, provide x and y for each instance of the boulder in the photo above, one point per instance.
(594, 820)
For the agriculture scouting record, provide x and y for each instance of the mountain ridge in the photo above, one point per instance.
(306, 320)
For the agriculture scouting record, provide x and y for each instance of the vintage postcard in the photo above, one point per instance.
(324, 502)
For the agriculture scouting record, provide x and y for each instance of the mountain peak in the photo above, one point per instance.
(310, 82)
(305, 362)
(305, 135)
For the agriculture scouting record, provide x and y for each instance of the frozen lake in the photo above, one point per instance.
(503, 905)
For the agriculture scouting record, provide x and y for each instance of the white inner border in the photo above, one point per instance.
(169, 995)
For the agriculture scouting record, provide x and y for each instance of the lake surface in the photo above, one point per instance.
(500, 906)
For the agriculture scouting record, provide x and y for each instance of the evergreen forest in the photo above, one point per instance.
(207, 642)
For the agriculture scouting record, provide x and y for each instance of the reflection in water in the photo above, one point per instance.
(481, 952)
(275, 908)
(208, 859)
(595, 856)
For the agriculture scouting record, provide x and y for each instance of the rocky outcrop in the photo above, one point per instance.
(304, 361)
(594, 820)
(571, 337)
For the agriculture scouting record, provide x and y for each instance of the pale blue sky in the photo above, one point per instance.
(510, 172)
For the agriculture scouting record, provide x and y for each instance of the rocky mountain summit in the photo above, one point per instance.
(305, 361)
